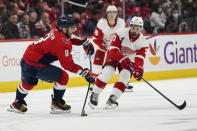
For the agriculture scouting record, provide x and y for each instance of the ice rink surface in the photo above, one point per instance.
(141, 110)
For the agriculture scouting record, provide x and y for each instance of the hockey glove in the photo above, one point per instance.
(89, 76)
(88, 46)
(139, 70)
(125, 63)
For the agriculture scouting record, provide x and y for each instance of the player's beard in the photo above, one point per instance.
(134, 34)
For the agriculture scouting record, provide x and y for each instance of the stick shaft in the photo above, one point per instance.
(179, 107)
(83, 109)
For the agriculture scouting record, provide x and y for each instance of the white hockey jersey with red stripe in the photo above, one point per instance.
(123, 45)
(105, 33)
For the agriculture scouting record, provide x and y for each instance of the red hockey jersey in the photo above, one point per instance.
(52, 47)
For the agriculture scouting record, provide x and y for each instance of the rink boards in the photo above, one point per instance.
(169, 56)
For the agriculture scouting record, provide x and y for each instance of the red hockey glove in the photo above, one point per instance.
(125, 63)
(88, 46)
(88, 75)
(139, 70)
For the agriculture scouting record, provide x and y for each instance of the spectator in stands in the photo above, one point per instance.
(131, 4)
(57, 7)
(43, 26)
(145, 10)
(155, 13)
(13, 8)
(171, 24)
(79, 26)
(120, 12)
(156, 20)
(91, 26)
(86, 15)
(23, 27)
(32, 21)
(47, 8)
(39, 8)
(9, 29)
(3, 11)
(166, 10)
(136, 11)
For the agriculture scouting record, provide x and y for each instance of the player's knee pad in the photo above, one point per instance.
(124, 76)
(24, 88)
(107, 73)
(50, 73)
(63, 79)
(97, 69)
(99, 57)
(121, 86)
(28, 79)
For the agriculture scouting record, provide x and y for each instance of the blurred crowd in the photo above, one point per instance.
(26, 19)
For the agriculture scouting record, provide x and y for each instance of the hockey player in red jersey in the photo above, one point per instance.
(104, 32)
(128, 48)
(36, 64)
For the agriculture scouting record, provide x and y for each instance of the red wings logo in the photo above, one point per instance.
(127, 50)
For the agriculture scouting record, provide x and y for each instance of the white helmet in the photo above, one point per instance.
(137, 21)
(111, 8)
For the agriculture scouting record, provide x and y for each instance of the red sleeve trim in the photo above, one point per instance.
(98, 33)
(142, 52)
(116, 41)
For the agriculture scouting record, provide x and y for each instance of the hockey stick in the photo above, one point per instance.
(83, 109)
(177, 106)
(151, 36)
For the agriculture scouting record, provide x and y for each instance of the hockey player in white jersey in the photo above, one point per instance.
(104, 32)
(128, 48)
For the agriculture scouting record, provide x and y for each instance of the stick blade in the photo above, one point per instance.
(83, 113)
(182, 106)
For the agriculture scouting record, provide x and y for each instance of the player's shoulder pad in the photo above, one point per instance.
(122, 32)
(142, 38)
(121, 21)
(142, 41)
(101, 23)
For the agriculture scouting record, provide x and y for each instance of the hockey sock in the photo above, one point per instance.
(118, 89)
(23, 90)
(19, 95)
(58, 94)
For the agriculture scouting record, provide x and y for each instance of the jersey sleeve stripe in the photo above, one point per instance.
(140, 56)
(113, 47)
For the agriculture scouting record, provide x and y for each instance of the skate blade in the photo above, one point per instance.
(57, 111)
(109, 107)
(91, 105)
(11, 109)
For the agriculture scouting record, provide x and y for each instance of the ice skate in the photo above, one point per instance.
(59, 107)
(111, 103)
(18, 106)
(93, 100)
(129, 88)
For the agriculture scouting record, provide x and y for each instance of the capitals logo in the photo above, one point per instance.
(154, 59)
